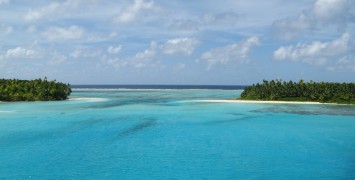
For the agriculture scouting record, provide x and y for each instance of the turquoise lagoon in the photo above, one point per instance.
(169, 134)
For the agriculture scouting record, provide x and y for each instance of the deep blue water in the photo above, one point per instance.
(166, 133)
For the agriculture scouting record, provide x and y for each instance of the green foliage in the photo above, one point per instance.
(278, 90)
(33, 90)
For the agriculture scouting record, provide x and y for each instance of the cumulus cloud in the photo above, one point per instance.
(131, 12)
(85, 53)
(51, 10)
(208, 19)
(184, 46)
(237, 52)
(330, 10)
(150, 56)
(336, 13)
(20, 52)
(315, 52)
(33, 15)
(114, 50)
(220, 18)
(66, 33)
(146, 58)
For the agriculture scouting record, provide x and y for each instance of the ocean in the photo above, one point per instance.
(165, 132)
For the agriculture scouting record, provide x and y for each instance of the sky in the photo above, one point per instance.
(200, 42)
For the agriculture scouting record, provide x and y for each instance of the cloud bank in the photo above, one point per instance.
(315, 52)
(323, 13)
(134, 41)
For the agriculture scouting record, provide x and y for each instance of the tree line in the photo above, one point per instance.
(33, 90)
(326, 92)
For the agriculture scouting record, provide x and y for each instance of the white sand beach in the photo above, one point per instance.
(261, 102)
(87, 99)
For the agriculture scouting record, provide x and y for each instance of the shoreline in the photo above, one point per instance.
(262, 102)
(86, 99)
(69, 99)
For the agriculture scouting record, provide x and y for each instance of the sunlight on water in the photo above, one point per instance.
(163, 134)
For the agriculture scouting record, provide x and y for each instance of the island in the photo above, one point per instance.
(33, 90)
(278, 90)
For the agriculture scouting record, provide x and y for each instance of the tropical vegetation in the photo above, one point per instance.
(325, 92)
(33, 90)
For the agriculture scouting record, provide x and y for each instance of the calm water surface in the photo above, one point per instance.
(167, 134)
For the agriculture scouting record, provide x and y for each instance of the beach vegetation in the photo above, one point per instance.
(33, 90)
(278, 90)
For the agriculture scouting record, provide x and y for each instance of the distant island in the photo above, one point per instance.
(33, 90)
(278, 90)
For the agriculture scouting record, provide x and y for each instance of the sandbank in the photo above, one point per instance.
(87, 99)
(7, 111)
(261, 102)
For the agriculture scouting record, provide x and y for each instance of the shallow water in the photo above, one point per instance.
(166, 134)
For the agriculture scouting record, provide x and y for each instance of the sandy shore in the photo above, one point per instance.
(260, 102)
(7, 111)
(87, 99)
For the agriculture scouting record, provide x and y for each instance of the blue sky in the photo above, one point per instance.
(177, 42)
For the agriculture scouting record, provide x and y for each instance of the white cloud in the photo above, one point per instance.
(114, 50)
(52, 9)
(230, 18)
(76, 53)
(216, 20)
(66, 33)
(146, 58)
(33, 15)
(315, 52)
(237, 52)
(6, 29)
(4, 2)
(346, 63)
(184, 46)
(150, 56)
(112, 35)
(323, 13)
(20, 52)
(85, 53)
(131, 12)
(330, 10)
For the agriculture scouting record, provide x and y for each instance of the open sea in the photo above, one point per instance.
(165, 132)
